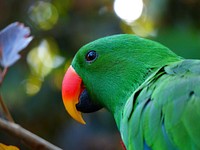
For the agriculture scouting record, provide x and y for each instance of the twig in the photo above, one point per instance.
(2, 103)
(5, 110)
(3, 74)
(33, 141)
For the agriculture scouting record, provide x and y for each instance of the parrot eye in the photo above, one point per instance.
(91, 56)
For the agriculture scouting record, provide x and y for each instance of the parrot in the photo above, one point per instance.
(152, 93)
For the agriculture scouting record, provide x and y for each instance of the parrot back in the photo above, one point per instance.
(164, 112)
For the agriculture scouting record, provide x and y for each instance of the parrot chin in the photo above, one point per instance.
(85, 105)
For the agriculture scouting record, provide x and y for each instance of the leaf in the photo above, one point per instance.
(13, 39)
(5, 147)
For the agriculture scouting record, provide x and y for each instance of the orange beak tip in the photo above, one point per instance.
(71, 109)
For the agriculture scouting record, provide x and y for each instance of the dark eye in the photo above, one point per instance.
(91, 56)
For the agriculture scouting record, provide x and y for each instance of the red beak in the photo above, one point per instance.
(71, 90)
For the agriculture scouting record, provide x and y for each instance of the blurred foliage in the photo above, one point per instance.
(60, 27)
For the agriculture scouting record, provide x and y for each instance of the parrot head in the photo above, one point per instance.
(105, 72)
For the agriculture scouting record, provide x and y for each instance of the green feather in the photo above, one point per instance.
(153, 94)
(166, 111)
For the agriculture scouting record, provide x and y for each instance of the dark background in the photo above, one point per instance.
(32, 87)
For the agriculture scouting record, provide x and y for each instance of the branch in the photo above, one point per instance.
(30, 139)
(5, 109)
(2, 103)
(3, 74)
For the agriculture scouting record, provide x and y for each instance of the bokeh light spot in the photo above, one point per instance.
(42, 60)
(33, 85)
(128, 10)
(44, 15)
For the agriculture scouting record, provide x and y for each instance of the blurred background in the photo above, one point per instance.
(32, 87)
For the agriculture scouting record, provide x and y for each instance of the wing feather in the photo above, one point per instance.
(166, 110)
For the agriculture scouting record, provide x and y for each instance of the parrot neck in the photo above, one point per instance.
(121, 103)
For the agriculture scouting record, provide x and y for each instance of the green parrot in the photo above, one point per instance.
(153, 94)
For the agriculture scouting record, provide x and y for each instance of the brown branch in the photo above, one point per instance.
(33, 141)
(2, 103)
(5, 110)
(3, 74)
